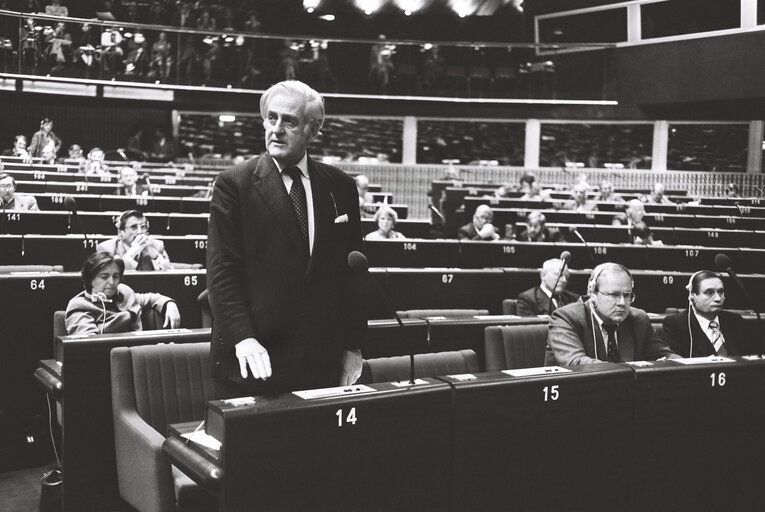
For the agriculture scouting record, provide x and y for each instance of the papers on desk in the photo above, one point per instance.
(406, 383)
(497, 318)
(640, 364)
(203, 439)
(312, 394)
(159, 331)
(462, 377)
(542, 370)
(703, 360)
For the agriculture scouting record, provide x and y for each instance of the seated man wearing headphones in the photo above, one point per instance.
(704, 329)
(135, 246)
(604, 327)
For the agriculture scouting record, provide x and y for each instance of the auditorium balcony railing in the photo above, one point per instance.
(169, 57)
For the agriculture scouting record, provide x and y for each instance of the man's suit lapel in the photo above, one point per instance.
(270, 186)
(702, 345)
(543, 301)
(593, 329)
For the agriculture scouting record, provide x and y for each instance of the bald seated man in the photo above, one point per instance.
(536, 301)
(604, 326)
(481, 228)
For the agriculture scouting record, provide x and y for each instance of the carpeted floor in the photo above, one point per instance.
(20, 490)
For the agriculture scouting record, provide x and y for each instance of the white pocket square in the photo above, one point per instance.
(341, 219)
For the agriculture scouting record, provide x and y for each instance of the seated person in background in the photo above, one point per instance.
(633, 213)
(657, 196)
(128, 186)
(536, 301)
(525, 183)
(731, 190)
(705, 329)
(536, 193)
(10, 200)
(49, 153)
(536, 231)
(74, 156)
(362, 185)
(607, 193)
(641, 235)
(94, 165)
(604, 327)
(19, 148)
(481, 228)
(134, 245)
(107, 305)
(579, 201)
(386, 219)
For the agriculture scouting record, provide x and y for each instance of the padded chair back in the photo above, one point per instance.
(516, 346)
(164, 384)
(389, 369)
(59, 329)
(510, 307)
(154, 386)
(449, 313)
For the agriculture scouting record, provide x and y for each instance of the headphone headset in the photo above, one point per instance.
(592, 284)
(691, 310)
(96, 297)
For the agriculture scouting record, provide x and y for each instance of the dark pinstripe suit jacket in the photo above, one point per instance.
(261, 285)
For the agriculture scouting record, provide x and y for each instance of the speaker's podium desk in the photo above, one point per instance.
(377, 447)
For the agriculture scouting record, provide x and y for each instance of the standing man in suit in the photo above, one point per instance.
(285, 309)
(705, 329)
(537, 300)
(604, 327)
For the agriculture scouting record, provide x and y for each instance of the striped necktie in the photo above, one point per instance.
(718, 340)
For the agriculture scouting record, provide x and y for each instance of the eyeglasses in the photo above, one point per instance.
(629, 297)
(7, 186)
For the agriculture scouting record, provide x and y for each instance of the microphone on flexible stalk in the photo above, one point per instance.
(576, 233)
(722, 262)
(74, 220)
(359, 265)
(564, 257)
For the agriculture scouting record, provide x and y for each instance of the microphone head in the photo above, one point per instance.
(722, 261)
(145, 177)
(70, 204)
(565, 256)
(358, 262)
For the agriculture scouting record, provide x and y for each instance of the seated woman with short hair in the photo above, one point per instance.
(386, 219)
(108, 306)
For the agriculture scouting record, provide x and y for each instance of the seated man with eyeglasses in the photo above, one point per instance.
(705, 329)
(604, 326)
(10, 200)
(135, 246)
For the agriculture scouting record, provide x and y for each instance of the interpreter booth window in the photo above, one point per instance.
(678, 17)
(607, 145)
(708, 147)
(470, 142)
(347, 139)
(597, 26)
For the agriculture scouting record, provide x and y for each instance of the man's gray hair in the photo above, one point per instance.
(312, 100)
